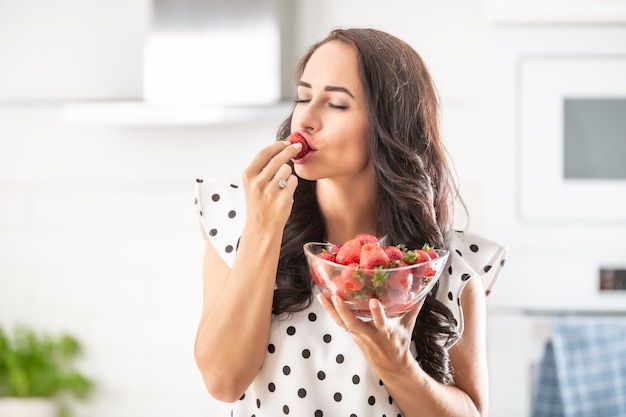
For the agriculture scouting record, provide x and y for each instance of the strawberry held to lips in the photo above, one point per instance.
(298, 138)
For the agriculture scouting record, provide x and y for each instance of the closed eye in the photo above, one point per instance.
(331, 105)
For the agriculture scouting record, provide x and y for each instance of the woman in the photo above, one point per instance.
(368, 110)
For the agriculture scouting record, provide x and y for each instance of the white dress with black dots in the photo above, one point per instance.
(313, 367)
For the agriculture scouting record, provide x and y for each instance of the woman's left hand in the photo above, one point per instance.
(385, 342)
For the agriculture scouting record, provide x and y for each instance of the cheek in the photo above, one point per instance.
(358, 147)
(350, 157)
(356, 155)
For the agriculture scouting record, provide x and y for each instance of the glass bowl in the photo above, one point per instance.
(398, 289)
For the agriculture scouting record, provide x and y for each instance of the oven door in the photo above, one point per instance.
(573, 137)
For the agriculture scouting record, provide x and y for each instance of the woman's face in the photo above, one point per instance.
(330, 113)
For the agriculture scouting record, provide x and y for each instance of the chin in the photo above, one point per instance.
(303, 173)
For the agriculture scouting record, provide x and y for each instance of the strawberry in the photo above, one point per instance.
(366, 238)
(316, 277)
(348, 280)
(335, 249)
(329, 256)
(350, 252)
(401, 281)
(319, 272)
(420, 256)
(430, 251)
(424, 256)
(394, 253)
(429, 272)
(416, 256)
(372, 256)
(295, 138)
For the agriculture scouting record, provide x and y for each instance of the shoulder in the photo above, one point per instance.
(471, 257)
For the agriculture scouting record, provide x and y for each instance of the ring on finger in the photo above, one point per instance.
(281, 183)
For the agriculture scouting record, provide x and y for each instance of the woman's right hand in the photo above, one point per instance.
(237, 301)
(266, 202)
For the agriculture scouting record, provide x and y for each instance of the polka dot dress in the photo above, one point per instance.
(313, 367)
(471, 256)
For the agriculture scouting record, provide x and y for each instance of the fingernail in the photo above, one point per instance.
(297, 145)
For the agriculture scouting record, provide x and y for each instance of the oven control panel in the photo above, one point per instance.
(612, 279)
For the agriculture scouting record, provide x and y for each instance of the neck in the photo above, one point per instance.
(347, 209)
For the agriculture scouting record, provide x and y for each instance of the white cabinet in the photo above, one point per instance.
(72, 49)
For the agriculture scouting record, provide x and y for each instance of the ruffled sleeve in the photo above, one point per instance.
(220, 209)
(471, 257)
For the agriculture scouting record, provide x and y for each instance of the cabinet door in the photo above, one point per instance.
(69, 49)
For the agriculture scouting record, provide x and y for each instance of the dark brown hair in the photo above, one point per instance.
(414, 184)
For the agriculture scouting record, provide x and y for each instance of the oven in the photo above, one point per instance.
(556, 187)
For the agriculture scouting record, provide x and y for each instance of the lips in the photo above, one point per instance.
(298, 138)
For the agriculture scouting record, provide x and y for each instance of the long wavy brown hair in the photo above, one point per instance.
(415, 188)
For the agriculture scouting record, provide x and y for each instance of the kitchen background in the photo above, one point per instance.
(97, 230)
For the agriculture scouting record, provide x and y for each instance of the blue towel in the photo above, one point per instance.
(583, 371)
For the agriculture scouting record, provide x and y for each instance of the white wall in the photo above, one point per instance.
(97, 229)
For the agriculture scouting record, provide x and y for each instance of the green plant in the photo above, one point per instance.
(40, 365)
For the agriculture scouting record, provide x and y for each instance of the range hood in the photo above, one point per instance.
(206, 62)
(217, 52)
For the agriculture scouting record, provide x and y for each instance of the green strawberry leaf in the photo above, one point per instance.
(378, 280)
(410, 256)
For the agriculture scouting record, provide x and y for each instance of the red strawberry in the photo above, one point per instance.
(329, 256)
(400, 281)
(430, 251)
(394, 253)
(416, 256)
(423, 256)
(366, 238)
(350, 252)
(372, 256)
(335, 249)
(348, 280)
(316, 277)
(295, 138)
(320, 272)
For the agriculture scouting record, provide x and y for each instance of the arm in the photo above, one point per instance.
(385, 344)
(232, 336)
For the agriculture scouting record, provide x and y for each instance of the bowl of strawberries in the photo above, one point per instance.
(364, 267)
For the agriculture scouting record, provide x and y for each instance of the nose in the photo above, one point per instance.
(306, 117)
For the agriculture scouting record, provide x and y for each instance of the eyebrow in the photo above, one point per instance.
(328, 88)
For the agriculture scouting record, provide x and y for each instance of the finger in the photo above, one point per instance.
(267, 161)
(261, 159)
(292, 183)
(279, 160)
(284, 172)
(378, 313)
(330, 309)
(350, 321)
